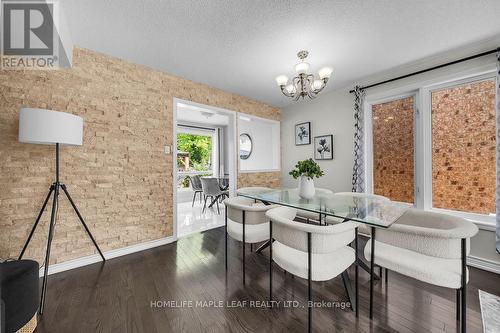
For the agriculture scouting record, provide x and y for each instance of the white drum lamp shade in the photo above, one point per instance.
(42, 126)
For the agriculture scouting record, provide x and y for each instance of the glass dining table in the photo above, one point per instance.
(372, 211)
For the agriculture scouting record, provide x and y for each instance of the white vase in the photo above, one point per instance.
(306, 187)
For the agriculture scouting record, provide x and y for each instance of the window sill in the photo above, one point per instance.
(483, 222)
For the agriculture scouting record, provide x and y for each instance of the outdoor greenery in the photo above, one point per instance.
(184, 182)
(307, 168)
(199, 148)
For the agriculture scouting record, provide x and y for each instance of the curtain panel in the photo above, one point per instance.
(498, 157)
(358, 177)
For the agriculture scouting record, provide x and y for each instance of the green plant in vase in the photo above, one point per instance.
(306, 171)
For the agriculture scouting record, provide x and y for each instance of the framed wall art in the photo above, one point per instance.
(303, 134)
(323, 147)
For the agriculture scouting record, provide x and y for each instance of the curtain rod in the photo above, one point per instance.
(430, 69)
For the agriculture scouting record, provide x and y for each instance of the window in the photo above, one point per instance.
(392, 126)
(195, 154)
(464, 147)
(440, 155)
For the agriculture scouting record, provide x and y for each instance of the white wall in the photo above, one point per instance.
(225, 146)
(482, 246)
(265, 135)
(328, 114)
(332, 113)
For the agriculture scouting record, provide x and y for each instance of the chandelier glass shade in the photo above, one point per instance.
(304, 84)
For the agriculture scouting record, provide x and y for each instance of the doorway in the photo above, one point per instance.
(204, 151)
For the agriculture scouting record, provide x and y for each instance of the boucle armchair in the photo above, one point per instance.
(245, 221)
(310, 251)
(430, 247)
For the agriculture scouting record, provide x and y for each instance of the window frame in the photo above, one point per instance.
(422, 90)
(369, 139)
(427, 124)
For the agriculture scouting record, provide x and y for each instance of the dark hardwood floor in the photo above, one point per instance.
(117, 296)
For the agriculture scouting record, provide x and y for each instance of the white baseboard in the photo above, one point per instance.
(483, 264)
(218, 225)
(79, 262)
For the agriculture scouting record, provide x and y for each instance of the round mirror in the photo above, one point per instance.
(245, 146)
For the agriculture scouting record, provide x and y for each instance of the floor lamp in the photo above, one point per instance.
(48, 127)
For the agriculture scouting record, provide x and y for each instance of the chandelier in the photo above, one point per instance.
(304, 84)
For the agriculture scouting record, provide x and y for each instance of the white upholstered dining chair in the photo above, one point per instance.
(427, 246)
(246, 222)
(310, 251)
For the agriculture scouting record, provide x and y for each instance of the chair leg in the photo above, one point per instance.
(463, 301)
(356, 268)
(386, 275)
(251, 247)
(205, 204)
(194, 198)
(225, 238)
(458, 304)
(271, 261)
(244, 244)
(309, 277)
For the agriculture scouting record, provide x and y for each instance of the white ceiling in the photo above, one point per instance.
(241, 46)
(196, 115)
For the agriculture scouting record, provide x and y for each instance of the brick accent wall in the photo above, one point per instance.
(393, 149)
(266, 179)
(464, 146)
(120, 178)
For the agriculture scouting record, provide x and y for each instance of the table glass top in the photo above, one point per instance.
(371, 210)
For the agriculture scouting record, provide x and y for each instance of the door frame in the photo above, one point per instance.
(233, 146)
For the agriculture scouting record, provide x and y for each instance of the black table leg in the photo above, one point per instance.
(372, 259)
(361, 263)
(263, 246)
(365, 267)
(348, 288)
